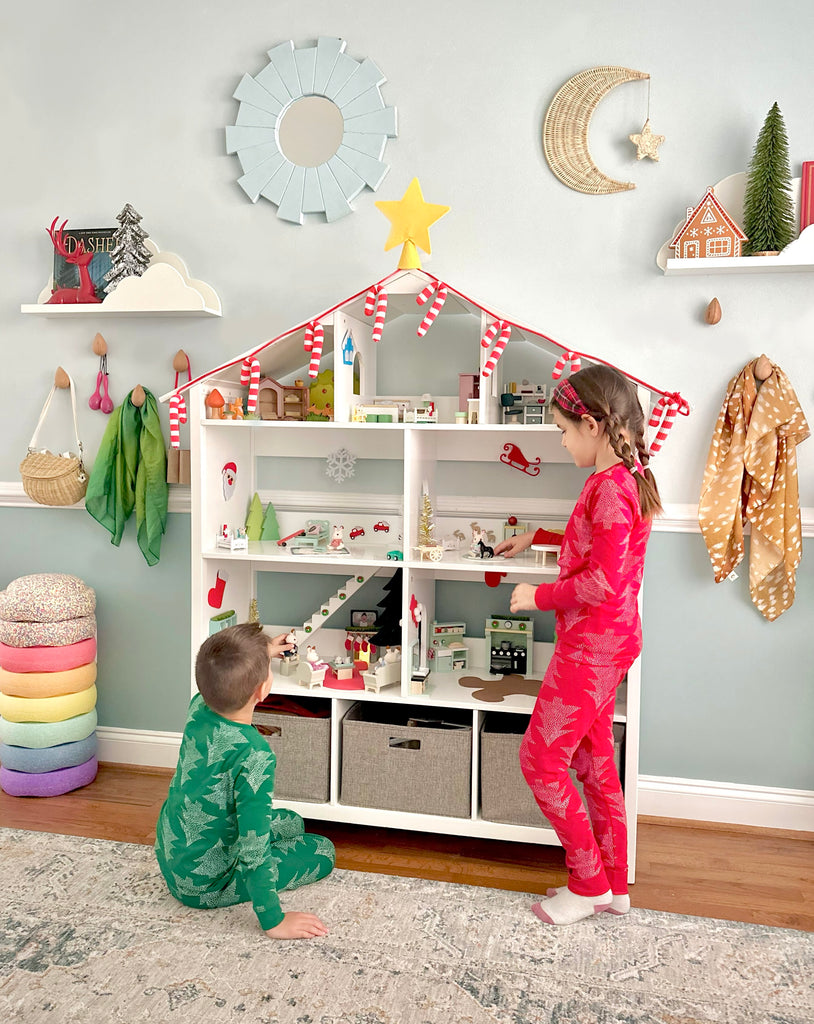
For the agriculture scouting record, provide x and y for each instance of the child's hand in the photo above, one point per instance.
(278, 645)
(523, 598)
(514, 545)
(296, 925)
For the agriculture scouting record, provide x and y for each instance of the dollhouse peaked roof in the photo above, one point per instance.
(416, 292)
(709, 199)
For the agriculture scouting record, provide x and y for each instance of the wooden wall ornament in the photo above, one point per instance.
(713, 313)
(565, 129)
(311, 130)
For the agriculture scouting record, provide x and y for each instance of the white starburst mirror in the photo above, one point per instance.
(311, 130)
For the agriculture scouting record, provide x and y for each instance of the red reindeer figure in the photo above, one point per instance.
(79, 258)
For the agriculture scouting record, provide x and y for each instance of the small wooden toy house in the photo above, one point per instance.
(708, 231)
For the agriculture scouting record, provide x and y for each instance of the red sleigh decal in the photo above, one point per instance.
(517, 460)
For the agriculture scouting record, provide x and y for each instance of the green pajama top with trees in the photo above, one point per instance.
(219, 840)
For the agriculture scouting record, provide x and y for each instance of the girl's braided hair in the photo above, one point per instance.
(612, 400)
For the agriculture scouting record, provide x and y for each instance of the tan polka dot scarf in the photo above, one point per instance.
(751, 476)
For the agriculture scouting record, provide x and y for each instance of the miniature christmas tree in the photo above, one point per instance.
(271, 529)
(389, 622)
(426, 525)
(254, 520)
(131, 257)
(254, 614)
(768, 218)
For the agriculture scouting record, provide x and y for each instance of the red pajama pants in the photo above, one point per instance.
(572, 726)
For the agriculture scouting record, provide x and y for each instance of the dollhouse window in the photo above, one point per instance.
(719, 247)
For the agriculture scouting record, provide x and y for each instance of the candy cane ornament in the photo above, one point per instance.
(663, 417)
(178, 415)
(376, 299)
(500, 344)
(440, 290)
(250, 374)
(566, 357)
(313, 344)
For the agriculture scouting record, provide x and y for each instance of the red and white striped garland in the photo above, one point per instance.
(505, 329)
(313, 344)
(178, 415)
(376, 299)
(250, 374)
(663, 417)
(566, 357)
(440, 290)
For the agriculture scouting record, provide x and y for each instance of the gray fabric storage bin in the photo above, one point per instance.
(390, 764)
(303, 749)
(505, 795)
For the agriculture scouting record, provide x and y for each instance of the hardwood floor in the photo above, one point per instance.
(737, 873)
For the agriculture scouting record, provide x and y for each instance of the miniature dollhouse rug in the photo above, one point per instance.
(90, 934)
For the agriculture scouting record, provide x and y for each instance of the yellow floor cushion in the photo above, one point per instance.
(47, 709)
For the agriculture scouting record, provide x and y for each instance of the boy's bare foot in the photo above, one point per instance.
(296, 925)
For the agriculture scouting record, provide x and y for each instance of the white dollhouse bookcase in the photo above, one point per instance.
(454, 451)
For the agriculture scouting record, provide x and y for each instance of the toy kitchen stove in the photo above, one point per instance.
(509, 640)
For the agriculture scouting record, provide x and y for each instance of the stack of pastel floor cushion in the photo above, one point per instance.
(47, 685)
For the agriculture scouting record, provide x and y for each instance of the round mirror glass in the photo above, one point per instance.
(310, 131)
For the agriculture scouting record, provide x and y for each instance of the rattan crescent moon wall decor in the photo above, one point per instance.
(565, 130)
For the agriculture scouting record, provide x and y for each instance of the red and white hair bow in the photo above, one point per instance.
(376, 299)
(313, 344)
(566, 357)
(250, 374)
(505, 330)
(178, 410)
(663, 416)
(440, 290)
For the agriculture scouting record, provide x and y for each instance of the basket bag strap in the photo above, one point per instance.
(32, 447)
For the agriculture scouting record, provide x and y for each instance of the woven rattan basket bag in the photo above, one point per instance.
(52, 479)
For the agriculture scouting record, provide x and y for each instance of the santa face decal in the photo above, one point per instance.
(229, 473)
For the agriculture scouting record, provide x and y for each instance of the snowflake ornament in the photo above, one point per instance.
(341, 465)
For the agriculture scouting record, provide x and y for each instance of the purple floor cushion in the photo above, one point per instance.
(48, 759)
(48, 783)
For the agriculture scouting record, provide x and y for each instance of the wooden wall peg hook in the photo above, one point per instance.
(137, 396)
(99, 346)
(713, 313)
(61, 378)
(180, 362)
(763, 367)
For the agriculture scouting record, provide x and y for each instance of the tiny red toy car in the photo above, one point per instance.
(381, 527)
(357, 531)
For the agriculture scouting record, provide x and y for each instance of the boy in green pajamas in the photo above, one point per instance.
(219, 840)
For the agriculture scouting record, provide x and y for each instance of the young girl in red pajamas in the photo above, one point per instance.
(598, 637)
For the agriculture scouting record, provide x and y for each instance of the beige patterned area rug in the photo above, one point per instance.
(89, 934)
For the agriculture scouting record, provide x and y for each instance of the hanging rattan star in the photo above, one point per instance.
(646, 142)
(410, 218)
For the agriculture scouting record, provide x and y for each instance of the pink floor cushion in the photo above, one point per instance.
(47, 734)
(47, 634)
(46, 597)
(48, 783)
(48, 659)
(48, 759)
(47, 709)
(47, 684)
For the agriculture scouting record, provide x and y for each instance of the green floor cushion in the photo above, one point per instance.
(48, 659)
(48, 759)
(48, 783)
(47, 734)
(47, 684)
(47, 709)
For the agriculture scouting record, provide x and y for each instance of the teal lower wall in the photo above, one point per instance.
(726, 696)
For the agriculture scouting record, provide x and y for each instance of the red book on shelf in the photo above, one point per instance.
(807, 194)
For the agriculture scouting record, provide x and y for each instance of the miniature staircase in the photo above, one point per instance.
(325, 611)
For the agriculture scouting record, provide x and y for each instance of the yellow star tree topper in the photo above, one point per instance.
(410, 218)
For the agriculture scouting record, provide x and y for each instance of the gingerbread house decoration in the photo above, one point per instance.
(708, 231)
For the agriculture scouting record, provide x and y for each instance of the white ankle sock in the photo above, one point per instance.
(567, 907)
(620, 904)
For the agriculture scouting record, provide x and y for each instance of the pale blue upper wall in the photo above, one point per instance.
(114, 107)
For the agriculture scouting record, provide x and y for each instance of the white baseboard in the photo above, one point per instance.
(690, 799)
(726, 802)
